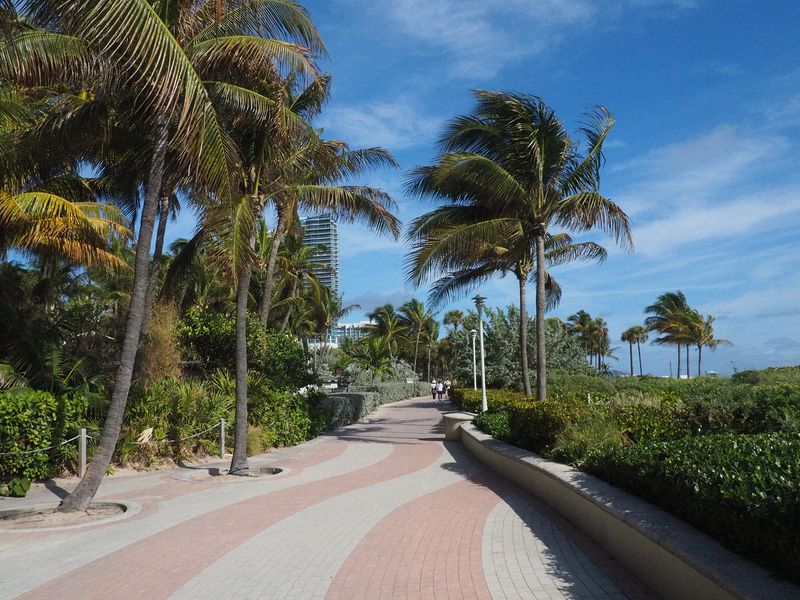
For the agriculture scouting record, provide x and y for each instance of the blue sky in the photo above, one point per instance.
(704, 156)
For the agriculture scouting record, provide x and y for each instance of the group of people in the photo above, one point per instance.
(440, 390)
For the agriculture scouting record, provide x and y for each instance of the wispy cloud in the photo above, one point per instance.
(395, 125)
(480, 37)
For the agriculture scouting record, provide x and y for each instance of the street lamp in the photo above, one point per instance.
(474, 333)
(479, 303)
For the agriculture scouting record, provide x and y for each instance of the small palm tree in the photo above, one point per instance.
(512, 167)
(702, 335)
(668, 318)
(635, 335)
(415, 317)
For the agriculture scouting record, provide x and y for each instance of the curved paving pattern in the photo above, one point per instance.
(384, 509)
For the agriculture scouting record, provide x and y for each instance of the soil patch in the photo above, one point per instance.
(48, 518)
(221, 475)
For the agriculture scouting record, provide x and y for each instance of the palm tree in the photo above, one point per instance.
(633, 335)
(668, 318)
(510, 171)
(415, 317)
(702, 334)
(454, 318)
(387, 326)
(164, 54)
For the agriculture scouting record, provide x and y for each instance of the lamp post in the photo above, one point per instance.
(474, 333)
(479, 303)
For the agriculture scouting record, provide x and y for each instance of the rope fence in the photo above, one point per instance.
(82, 438)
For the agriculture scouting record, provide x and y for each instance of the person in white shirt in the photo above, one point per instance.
(440, 389)
(433, 389)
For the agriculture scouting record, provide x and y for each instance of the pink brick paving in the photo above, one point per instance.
(172, 557)
(429, 548)
(379, 510)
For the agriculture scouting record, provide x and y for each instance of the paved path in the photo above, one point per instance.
(384, 509)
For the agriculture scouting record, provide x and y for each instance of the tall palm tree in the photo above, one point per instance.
(668, 318)
(512, 168)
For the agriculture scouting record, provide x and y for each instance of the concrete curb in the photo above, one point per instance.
(673, 558)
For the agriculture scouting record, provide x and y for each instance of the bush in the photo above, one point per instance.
(30, 420)
(495, 424)
(470, 400)
(338, 410)
(284, 417)
(174, 409)
(536, 425)
(596, 431)
(255, 440)
(743, 489)
(160, 355)
(211, 338)
(393, 391)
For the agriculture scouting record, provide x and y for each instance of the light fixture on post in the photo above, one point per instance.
(474, 333)
(479, 304)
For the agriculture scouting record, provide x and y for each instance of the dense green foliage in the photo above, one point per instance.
(210, 338)
(31, 420)
(743, 489)
(723, 454)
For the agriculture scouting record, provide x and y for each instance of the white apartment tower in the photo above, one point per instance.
(320, 234)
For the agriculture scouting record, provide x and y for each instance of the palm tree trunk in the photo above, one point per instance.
(269, 279)
(679, 360)
(523, 333)
(288, 314)
(158, 255)
(429, 362)
(630, 348)
(416, 351)
(239, 464)
(699, 358)
(688, 375)
(639, 349)
(541, 357)
(81, 497)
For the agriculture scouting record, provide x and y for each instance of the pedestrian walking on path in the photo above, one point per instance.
(433, 389)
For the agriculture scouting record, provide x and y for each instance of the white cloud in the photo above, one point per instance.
(395, 125)
(479, 37)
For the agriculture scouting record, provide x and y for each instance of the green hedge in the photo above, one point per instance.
(743, 489)
(393, 391)
(30, 420)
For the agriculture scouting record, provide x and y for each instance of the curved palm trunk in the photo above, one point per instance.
(288, 314)
(639, 350)
(82, 496)
(541, 357)
(239, 461)
(269, 279)
(158, 255)
(699, 358)
(523, 334)
(630, 348)
(679, 361)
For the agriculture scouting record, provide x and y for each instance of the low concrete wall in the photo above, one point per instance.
(673, 558)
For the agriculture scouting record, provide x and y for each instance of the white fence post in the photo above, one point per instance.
(82, 452)
(222, 438)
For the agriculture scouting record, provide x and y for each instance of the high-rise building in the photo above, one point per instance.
(320, 234)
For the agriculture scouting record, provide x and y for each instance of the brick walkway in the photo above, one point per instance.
(384, 509)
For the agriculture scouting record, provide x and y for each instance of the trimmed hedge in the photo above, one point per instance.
(393, 391)
(337, 410)
(743, 489)
(30, 420)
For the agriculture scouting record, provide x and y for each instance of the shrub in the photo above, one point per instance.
(536, 425)
(393, 391)
(495, 424)
(284, 417)
(30, 420)
(174, 409)
(596, 431)
(255, 440)
(337, 410)
(160, 355)
(743, 489)
(211, 338)
(470, 400)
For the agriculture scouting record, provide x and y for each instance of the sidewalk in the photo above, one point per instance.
(384, 509)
